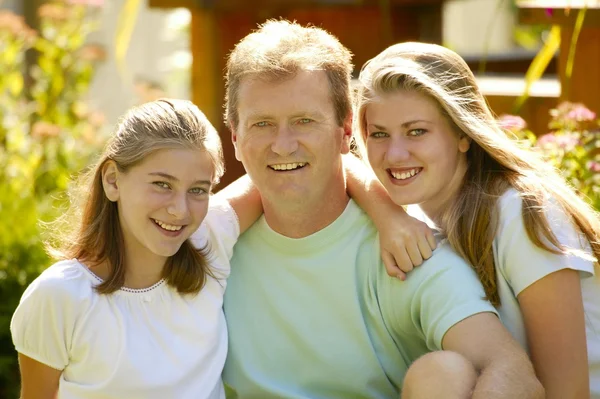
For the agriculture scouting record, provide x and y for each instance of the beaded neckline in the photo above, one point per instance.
(126, 289)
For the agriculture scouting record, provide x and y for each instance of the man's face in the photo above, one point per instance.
(288, 138)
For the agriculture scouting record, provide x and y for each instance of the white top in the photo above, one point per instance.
(135, 343)
(520, 263)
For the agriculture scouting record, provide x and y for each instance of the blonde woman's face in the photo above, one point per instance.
(414, 151)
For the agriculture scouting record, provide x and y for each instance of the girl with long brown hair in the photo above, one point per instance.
(132, 309)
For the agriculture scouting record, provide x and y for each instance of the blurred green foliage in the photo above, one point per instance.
(47, 134)
(572, 146)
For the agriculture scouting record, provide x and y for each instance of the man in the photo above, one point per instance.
(310, 309)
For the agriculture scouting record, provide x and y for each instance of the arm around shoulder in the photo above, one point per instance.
(245, 200)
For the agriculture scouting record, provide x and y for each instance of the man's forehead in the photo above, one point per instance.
(262, 96)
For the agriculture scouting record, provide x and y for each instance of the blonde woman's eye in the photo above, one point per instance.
(377, 135)
(162, 184)
(261, 124)
(198, 191)
(417, 132)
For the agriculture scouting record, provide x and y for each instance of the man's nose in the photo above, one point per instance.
(285, 142)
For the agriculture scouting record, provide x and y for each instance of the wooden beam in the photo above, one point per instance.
(558, 4)
(584, 84)
(206, 76)
(257, 5)
(556, 16)
(189, 4)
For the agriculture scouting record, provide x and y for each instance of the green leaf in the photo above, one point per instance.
(126, 23)
(15, 83)
(539, 64)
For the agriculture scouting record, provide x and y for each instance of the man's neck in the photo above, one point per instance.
(306, 217)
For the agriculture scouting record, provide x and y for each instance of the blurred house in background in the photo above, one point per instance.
(178, 48)
(156, 62)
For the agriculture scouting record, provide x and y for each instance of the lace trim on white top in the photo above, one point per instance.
(126, 289)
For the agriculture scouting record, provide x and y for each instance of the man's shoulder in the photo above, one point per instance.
(444, 267)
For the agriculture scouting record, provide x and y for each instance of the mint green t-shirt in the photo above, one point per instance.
(318, 317)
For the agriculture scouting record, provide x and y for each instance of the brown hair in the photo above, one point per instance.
(96, 235)
(278, 50)
(495, 161)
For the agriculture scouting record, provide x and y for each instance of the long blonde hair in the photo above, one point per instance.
(93, 229)
(495, 161)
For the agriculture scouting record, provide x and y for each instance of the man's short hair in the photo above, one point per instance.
(277, 51)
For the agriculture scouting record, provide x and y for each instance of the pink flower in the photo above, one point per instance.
(567, 141)
(44, 130)
(547, 140)
(593, 166)
(92, 52)
(91, 3)
(512, 122)
(580, 113)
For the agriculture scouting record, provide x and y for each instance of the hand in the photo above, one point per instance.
(405, 242)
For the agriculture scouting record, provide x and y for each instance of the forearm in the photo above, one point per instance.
(510, 379)
(367, 191)
(245, 200)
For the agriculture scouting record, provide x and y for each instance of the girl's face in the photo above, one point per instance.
(414, 151)
(161, 201)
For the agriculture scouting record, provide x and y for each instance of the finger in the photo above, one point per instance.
(424, 248)
(390, 265)
(403, 260)
(431, 240)
(414, 252)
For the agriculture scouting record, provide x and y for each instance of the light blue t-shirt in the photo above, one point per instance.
(318, 317)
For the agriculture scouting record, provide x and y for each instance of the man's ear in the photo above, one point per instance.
(110, 178)
(347, 137)
(234, 141)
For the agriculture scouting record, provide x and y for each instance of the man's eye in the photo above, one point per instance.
(261, 124)
(305, 120)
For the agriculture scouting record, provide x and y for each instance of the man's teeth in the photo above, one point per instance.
(405, 175)
(167, 226)
(288, 166)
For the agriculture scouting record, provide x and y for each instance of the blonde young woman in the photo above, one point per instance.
(132, 308)
(431, 140)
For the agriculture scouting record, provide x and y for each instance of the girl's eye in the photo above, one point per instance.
(161, 184)
(378, 134)
(198, 191)
(417, 132)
